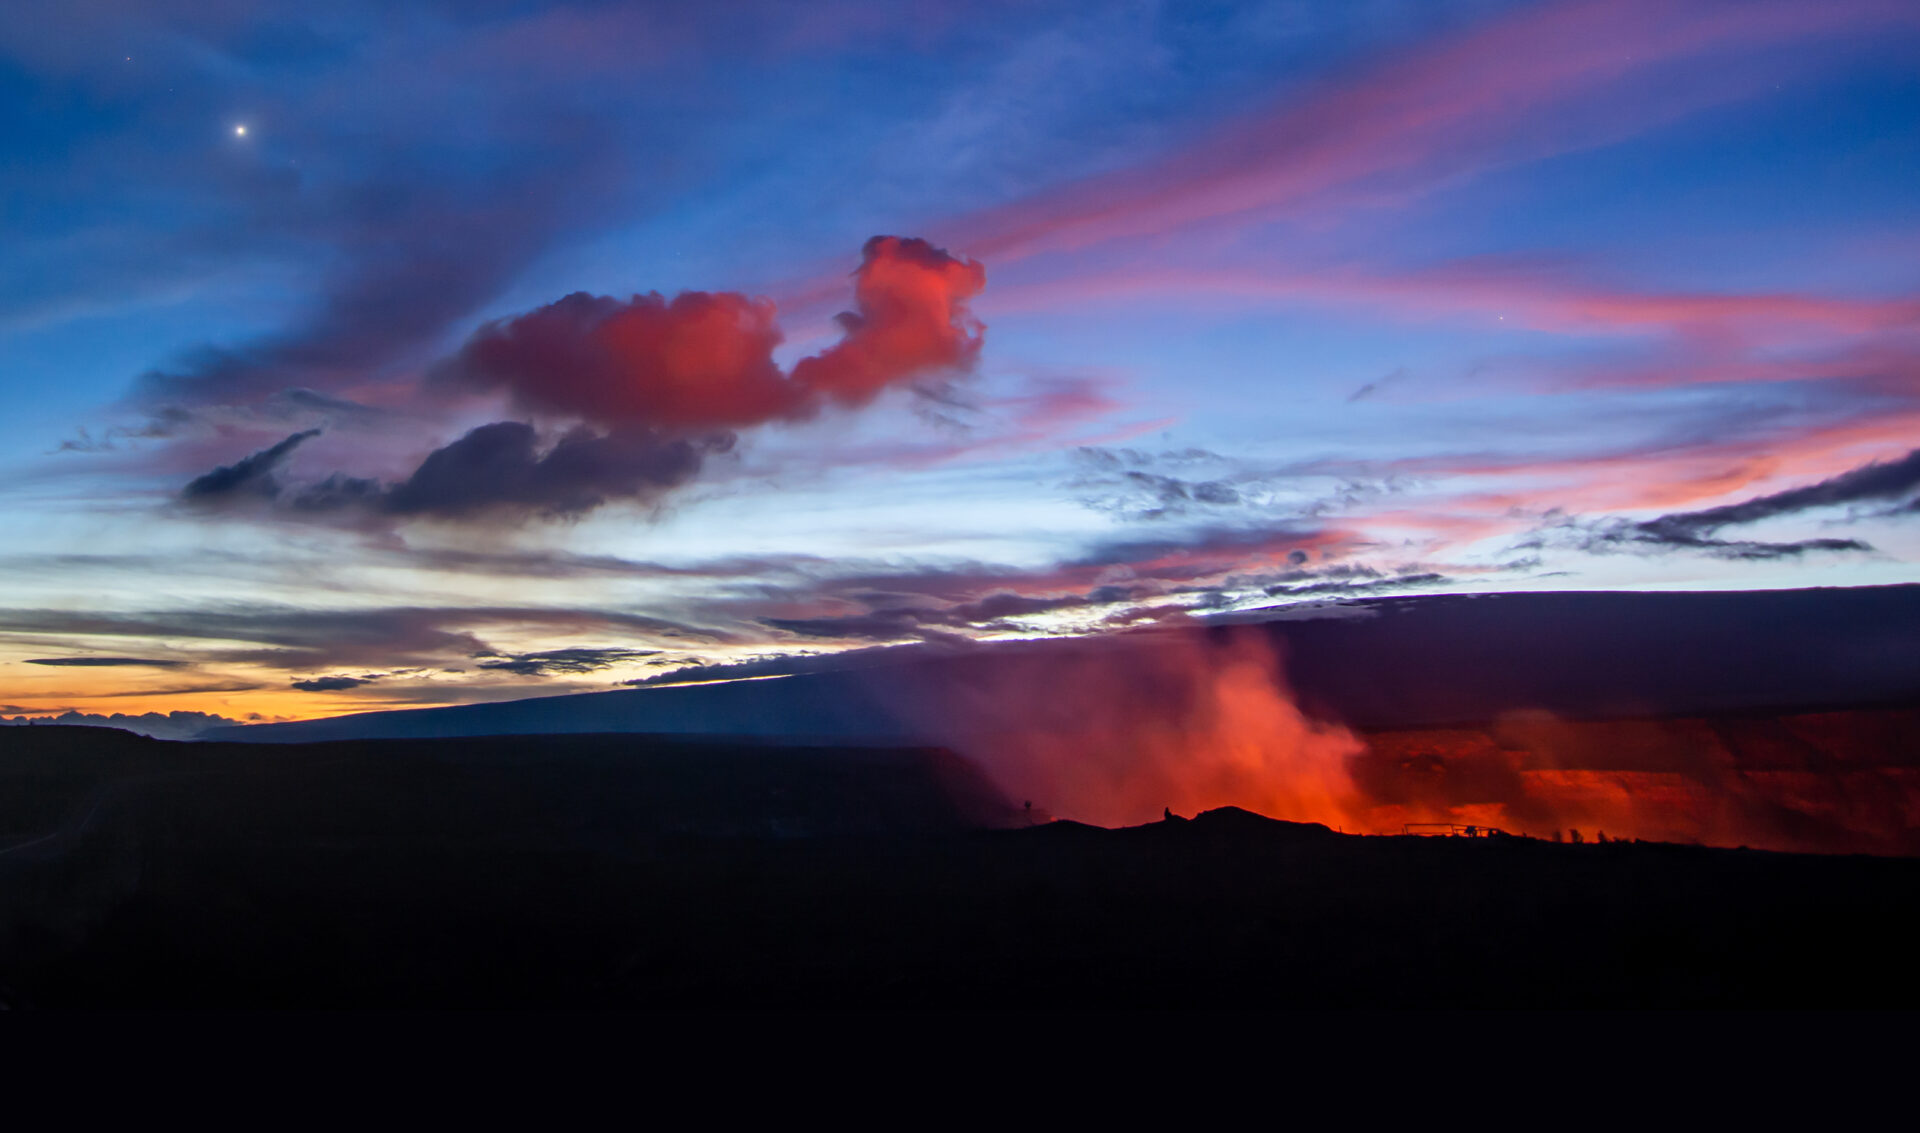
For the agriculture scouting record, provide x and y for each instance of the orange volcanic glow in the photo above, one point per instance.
(1834, 782)
(1111, 733)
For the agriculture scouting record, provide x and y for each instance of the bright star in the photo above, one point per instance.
(239, 131)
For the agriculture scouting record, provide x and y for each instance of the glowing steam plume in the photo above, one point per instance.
(1115, 732)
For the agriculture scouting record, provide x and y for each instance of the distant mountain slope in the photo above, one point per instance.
(1386, 663)
(550, 791)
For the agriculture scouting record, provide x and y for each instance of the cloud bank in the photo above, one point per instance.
(651, 387)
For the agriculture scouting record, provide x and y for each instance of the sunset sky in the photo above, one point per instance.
(333, 375)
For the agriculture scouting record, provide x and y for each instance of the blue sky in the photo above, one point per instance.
(1281, 301)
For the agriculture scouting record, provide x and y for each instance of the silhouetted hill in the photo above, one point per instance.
(605, 787)
(616, 871)
(1382, 663)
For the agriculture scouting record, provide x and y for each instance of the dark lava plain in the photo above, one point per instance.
(635, 872)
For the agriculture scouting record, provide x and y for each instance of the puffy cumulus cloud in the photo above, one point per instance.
(700, 360)
(704, 360)
(656, 385)
(911, 318)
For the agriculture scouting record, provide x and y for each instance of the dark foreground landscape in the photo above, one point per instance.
(626, 871)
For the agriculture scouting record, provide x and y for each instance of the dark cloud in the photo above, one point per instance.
(987, 613)
(191, 690)
(1619, 535)
(788, 664)
(1395, 377)
(252, 477)
(1877, 481)
(1750, 550)
(497, 470)
(109, 662)
(1699, 530)
(332, 684)
(502, 469)
(567, 661)
(1197, 484)
(1127, 483)
(1148, 495)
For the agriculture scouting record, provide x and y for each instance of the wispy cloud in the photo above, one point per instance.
(1521, 85)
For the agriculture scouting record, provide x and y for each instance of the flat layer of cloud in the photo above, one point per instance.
(571, 661)
(110, 662)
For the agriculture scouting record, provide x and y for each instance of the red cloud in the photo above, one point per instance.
(912, 318)
(700, 360)
(704, 360)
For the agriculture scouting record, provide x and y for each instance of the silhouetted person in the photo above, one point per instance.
(1556, 835)
(1574, 836)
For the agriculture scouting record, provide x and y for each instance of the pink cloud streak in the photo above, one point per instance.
(1520, 295)
(1433, 114)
